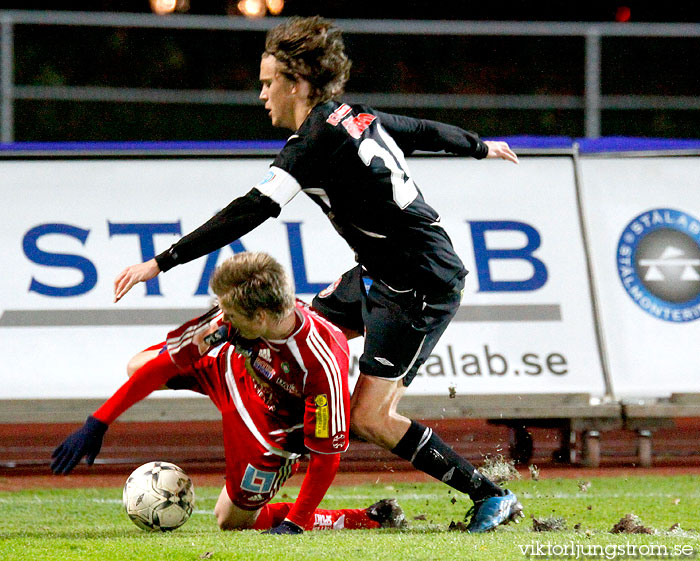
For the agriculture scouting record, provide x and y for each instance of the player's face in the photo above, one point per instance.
(249, 328)
(278, 93)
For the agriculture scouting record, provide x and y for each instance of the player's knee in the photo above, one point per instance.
(227, 524)
(225, 521)
(135, 362)
(138, 360)
(230, 517)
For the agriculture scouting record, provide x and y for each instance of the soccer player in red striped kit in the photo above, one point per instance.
(277, 372)
(407, 286)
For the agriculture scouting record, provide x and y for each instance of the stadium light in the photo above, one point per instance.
(164, 7)
(252, 8)
(275, 7)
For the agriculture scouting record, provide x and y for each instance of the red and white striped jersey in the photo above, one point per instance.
(286, 392)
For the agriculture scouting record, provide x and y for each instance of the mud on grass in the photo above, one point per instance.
(81, 524)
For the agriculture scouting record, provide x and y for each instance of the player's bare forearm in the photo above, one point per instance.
(499, 149)
(133, 275)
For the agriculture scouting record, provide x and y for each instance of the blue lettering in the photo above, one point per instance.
(145, 232)
(483, 255)
(210, 265)
(36, 255)
(303, 286)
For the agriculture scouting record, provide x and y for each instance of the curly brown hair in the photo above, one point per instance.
(312, 48)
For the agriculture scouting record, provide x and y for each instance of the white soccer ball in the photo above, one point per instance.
(158, 496)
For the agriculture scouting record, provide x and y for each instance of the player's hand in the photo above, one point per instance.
(132, 275)
(285, 528)
(86, 441)
(498, 149)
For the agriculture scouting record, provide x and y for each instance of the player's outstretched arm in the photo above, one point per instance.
(133, 275)
(422, 134)
(499, 149)
(240, 217)
(87, 441)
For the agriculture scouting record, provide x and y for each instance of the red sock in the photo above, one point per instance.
(348, 518)
(271, 515)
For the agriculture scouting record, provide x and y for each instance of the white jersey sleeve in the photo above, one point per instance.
(279, 185)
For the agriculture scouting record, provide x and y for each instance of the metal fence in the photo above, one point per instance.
(591, 103)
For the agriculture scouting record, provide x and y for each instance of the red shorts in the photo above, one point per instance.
(253, 473)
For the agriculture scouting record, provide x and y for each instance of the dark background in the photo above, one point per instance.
(216, 60)
(517, 10)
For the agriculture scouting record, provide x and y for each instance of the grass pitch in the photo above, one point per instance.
(90, 524)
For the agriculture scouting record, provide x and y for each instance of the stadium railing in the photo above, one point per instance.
(592, 103)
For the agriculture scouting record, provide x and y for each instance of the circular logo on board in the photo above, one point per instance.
(658, 260)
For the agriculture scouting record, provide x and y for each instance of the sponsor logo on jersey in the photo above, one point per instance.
(322, 416)
(658, 262)
(217, 337)
(330, 289)
(355, 126)
(288, 386)
(256, 498)
(339, 441)
(269, 176)
(262, 367)
(265, 354)
(339, 114)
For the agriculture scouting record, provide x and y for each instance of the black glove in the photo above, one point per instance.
(285, 527)
(86, 441)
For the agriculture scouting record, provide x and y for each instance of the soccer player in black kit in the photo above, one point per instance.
(408, 283)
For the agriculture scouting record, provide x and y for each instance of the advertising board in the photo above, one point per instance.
(643, 217)
(69, 226)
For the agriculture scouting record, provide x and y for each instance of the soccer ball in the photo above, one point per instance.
(158, 496)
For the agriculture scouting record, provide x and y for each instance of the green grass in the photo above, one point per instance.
(89, 524)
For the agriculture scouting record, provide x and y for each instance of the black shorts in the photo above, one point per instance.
(401, 328)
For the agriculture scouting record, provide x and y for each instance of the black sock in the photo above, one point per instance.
(430, 454)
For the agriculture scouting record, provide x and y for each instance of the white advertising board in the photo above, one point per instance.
(643, 217)
(526, 323)
(69, 226)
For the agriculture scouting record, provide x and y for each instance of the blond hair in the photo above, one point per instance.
(311, 48)
(251, 281)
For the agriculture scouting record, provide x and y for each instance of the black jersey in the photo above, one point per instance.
(350, 160)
